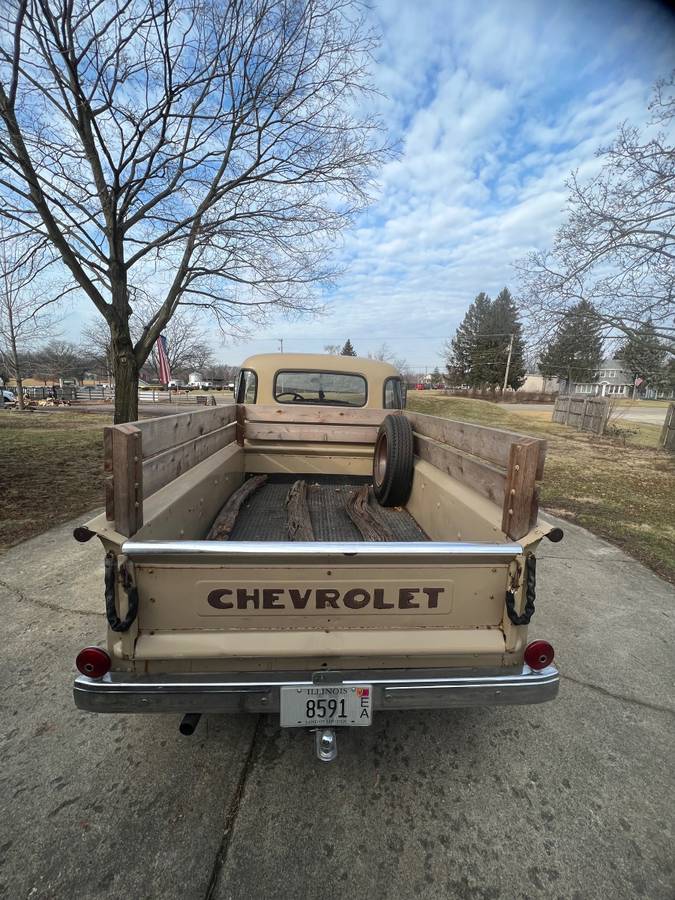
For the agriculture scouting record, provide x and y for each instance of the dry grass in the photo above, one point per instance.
(52, 470)
(621, 491)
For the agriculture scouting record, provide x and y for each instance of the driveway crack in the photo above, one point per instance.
(622, 698)
(44, 604)
(231, 815)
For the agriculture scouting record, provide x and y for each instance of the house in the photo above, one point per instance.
(536, 383)
(611, 380)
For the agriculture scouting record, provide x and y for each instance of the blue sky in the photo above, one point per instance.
(491, 105)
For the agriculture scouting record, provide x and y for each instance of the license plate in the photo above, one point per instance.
(326, 705)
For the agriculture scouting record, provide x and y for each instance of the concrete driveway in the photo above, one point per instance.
(572, 799)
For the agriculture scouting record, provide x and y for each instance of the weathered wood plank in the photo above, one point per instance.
(224, 521)
(667, 437)
(108, 473)
(165, 432)
(241, 424)
(520, 495)
(482, 476)
(337, 434)
(317, 415)
(299, 519)
(164, 467)
(127, 470)
(491, 444)
(356, 505)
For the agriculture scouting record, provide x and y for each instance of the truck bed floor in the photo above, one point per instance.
(263, 517)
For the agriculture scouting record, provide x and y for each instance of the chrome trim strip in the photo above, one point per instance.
(259, 692)
(436, 549)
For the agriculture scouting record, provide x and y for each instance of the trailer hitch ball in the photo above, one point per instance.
(325, 744)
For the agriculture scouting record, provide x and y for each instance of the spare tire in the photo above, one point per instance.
(393, 461)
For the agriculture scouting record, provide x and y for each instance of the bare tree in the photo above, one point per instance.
(185, 152)
(385, 354)
(187, 345)
(617, 248)
(26, 314)
(96, 346)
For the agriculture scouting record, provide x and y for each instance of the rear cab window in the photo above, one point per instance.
(320, 388)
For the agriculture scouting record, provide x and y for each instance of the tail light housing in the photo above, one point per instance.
(539, 654)
(93, 662)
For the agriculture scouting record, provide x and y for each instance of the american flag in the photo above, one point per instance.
(163, 360)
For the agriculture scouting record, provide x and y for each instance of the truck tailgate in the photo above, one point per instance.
(235, 587)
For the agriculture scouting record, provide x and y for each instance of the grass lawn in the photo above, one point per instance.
(621, 488)
(52, 470)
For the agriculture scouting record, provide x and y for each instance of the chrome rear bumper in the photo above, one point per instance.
(124, 692)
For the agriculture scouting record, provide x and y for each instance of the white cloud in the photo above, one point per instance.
(492, 105)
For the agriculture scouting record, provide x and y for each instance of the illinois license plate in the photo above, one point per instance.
(326, 705)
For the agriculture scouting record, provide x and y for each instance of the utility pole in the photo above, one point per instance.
(281, 345)
(508, 365)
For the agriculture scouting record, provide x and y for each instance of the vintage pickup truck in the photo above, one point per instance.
(318, 552)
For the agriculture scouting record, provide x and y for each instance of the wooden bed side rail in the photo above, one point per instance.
(501, 465)
(141, 457)
(310, 424)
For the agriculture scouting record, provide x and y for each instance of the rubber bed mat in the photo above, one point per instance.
(263, 516)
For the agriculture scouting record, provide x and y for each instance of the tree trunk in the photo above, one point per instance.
(126, 373)
(17, 374)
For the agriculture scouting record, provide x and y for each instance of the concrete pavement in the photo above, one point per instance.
(572, 799)
(648, 415)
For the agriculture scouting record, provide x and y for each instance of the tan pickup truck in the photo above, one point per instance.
(318, 552)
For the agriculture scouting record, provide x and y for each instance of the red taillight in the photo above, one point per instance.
(93, 662)
(539, 654)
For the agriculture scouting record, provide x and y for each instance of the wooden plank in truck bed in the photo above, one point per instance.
(491, 444)
(162, 468)
(483, 477)
(348, 434)
(166, 432)
(316, 415)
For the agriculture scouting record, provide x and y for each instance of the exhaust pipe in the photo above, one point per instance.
(189, 722)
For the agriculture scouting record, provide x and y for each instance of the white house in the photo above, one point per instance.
(195, 378)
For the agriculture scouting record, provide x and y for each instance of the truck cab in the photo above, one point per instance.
(309, 379)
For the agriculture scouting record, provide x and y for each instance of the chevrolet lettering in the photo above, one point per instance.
(284, 599)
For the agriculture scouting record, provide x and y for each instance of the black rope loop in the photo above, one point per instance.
(530, 585)
(114, 620)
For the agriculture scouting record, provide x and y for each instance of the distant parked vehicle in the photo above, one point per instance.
(7, 399)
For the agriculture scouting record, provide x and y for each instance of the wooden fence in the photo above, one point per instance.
(582, 413)
(667, 440)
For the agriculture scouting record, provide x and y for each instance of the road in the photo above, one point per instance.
(647, 415)
(572, 799)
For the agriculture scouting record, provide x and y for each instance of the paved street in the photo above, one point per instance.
(572, 799)
(654, 415)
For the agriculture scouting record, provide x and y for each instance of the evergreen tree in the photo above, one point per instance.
(504, 323)
(348, 350)
(478, 354)
(575, 350)
(461, 352)
(645, 356)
